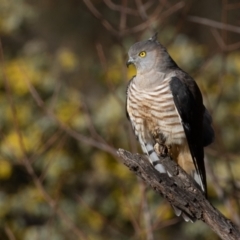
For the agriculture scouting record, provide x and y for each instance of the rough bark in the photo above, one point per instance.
(181, 191)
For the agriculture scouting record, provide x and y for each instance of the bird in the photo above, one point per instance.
(165, 108)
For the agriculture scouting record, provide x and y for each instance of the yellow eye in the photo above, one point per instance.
(142, 54)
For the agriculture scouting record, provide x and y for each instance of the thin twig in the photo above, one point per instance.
(120, 8)
(133, 216)
(141, 9)
(156, 16)
(95, 135)
(214, 24)
(46, 144)
(99, 16)
(9, 233)
(146, 214)
(123, 16)
(221, 43)
(101, 56)
(218, 38)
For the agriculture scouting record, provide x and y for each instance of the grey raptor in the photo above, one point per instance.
(166, 111)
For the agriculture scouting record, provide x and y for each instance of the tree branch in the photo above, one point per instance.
(181, 191)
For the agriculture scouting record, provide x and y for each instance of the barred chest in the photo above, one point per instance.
(153, 114)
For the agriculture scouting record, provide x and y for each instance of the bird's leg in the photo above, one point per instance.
(164, 150)
(156, 148)
(161, 149)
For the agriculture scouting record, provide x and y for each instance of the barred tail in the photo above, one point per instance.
(153, 157)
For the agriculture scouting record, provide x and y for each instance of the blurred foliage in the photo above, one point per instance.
(62, 91)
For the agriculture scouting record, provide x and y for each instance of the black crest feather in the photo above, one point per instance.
(154, 37)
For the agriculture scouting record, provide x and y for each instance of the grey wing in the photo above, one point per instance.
(208, 132)
(190, 110)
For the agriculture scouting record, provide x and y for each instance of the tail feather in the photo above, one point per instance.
(177, 211)
(148, 148)
(187, 218)
(198, 180)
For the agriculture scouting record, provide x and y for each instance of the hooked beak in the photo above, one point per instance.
(129, 62)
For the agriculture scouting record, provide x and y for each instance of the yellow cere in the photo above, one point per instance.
(142, 54)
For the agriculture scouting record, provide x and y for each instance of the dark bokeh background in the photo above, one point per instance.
(62, 115)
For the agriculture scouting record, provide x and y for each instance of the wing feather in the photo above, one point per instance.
(191, 110)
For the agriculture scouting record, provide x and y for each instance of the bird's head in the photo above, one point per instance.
(148, 55)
